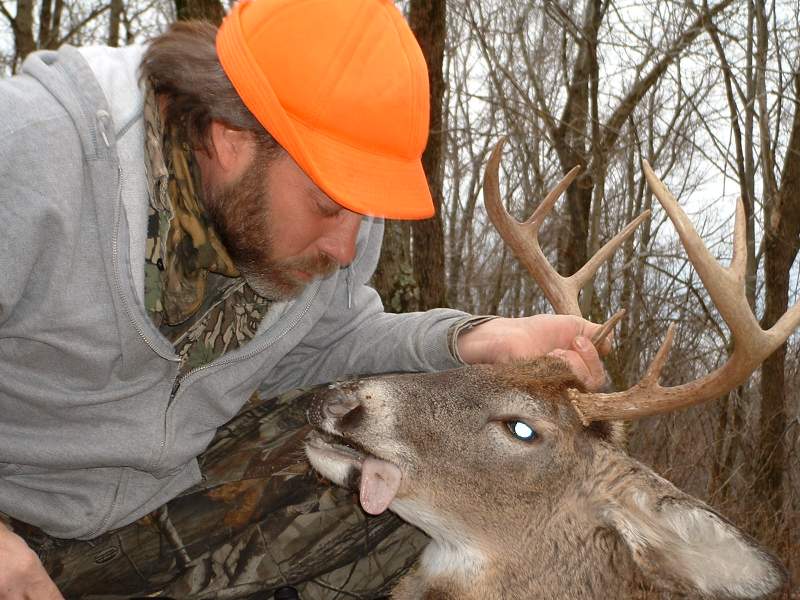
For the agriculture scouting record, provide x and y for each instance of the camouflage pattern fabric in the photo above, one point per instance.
(231, 319)
(260, 519)
(193, 292)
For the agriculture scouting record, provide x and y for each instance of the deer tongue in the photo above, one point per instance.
(380, 481)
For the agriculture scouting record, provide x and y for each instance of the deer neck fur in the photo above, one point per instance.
(561, 548)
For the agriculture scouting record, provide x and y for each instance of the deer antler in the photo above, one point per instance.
(522, 238)
(726, 286)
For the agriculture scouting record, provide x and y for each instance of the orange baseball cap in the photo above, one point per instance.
(342, 85)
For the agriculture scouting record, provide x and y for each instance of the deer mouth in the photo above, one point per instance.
(350, 466)
(335, 448)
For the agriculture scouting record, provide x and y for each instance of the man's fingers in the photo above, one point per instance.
(46, 590)
(584, 362)
(589, 331)
(34, 584)
(590, 358)
(22, 575)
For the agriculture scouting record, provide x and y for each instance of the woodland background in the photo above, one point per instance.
(708, 92)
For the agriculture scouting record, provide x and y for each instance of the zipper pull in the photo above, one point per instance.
(349, 281)
(176, 384)
(103, 119)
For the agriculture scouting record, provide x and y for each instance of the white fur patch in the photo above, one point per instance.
(717, 557)
(699, 547)
(451, 552)
(328, 465)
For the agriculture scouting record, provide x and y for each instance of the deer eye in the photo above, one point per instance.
(521, 430)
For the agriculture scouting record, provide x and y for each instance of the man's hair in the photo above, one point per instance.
(182, 66)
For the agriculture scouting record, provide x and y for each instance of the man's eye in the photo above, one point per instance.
(328, 209)
(521, 430)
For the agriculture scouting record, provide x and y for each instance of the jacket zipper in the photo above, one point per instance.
(180, 379)
(349, 279)
(176, 385)
(118, 285)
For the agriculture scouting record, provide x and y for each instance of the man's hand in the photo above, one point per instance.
(564, 336)
(22, 576)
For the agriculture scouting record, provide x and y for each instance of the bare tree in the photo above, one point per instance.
(411, 273)
(781, 243)
(114, 22)
(58, 23)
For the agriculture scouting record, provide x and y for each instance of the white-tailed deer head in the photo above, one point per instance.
(518, 475)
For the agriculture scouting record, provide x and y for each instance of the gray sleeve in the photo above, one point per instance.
(359, 338)
(30, 222)
(366, 340)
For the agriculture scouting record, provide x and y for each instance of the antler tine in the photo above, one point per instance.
(726, 286)
(607, 327)
(523, 240)
(752, 345)
(626, 405)
(583, 275)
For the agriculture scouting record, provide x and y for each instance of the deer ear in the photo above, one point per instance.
(681, 542)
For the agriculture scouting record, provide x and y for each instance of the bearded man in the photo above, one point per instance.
(180, 225)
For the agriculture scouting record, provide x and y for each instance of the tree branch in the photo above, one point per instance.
(614, 124)
(79, 25)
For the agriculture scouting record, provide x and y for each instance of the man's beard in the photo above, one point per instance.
(241, 215)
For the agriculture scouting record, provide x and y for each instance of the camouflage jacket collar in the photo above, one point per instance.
(182, 245)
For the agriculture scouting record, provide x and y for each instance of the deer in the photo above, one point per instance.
(520, 476)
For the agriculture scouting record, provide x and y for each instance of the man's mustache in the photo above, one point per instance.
(319, 265)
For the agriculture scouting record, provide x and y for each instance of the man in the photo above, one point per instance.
(183, 224)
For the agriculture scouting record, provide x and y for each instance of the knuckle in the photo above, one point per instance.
(28, 561)
(23, 563)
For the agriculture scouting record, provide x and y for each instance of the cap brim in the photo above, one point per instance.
(364, 182)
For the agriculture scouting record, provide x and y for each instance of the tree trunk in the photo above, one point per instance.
(22, 26)
(731, 417)
(427, 19)
(202, 10)
(45, 23)
(55, 27)
(782, 240)
(570, 144)
(50, 23)
(114, 20)
(394, 277)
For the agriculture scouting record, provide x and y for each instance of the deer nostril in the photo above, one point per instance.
(338, 405)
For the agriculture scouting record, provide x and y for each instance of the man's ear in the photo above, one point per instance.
(231, 148)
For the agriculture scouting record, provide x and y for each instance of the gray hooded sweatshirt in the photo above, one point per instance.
(96, 428)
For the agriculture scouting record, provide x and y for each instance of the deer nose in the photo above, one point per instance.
(338, 404)
(334, 402)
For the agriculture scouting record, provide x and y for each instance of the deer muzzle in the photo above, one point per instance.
(338, 415)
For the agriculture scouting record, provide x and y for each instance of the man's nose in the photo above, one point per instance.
(340, 241)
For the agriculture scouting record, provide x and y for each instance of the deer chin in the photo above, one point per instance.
(378, 480)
